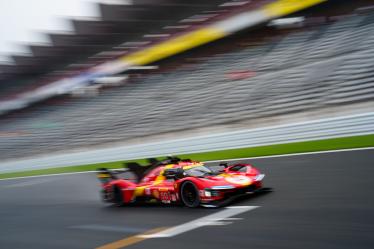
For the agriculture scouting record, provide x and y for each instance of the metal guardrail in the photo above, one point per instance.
(353, 125)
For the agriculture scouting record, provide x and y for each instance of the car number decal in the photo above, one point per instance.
(242, 180)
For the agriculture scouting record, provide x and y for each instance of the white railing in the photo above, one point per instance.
(361, 124)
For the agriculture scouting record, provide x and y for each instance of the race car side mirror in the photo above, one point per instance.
(177, 173)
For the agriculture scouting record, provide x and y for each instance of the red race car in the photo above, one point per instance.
(174, 180)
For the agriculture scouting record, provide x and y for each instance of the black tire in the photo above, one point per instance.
(117, 196)
(189, 194)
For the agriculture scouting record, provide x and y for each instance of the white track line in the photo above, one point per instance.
(292, 154)
(223, 160)
(60, 174)
(213, 219)
(29, 183)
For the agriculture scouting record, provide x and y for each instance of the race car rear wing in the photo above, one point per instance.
(141, 170)
(105, 175)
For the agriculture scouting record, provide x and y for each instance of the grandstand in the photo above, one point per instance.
(291, 71)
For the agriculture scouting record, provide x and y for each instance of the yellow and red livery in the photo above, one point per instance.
(186, 182)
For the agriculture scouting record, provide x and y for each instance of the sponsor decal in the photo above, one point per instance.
(192, 166)
(165, 196)
(240, 180)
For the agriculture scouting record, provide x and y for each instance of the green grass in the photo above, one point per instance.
(279, 149)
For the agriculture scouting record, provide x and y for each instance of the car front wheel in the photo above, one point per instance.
(190, 194)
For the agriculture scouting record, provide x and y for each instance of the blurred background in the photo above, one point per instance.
(98, 82)
(82, 75)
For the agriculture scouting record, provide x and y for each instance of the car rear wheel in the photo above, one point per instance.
(117, 196)
(190, 194)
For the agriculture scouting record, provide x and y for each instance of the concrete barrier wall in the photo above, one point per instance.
(353, 125)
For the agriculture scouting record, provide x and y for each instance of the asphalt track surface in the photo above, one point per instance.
(319, 201)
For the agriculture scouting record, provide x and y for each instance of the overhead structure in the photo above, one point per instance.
(119, 23)
(92, 38)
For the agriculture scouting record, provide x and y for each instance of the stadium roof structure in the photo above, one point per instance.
(121, 24)
(131, 35)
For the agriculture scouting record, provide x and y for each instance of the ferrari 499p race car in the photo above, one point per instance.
(185, 182)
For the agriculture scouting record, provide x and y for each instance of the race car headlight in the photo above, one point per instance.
(222, 187)
(259, 177)
(212, 193)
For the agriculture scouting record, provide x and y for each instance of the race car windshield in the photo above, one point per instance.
(198, 171)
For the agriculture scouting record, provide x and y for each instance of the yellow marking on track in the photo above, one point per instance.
(130, 240)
